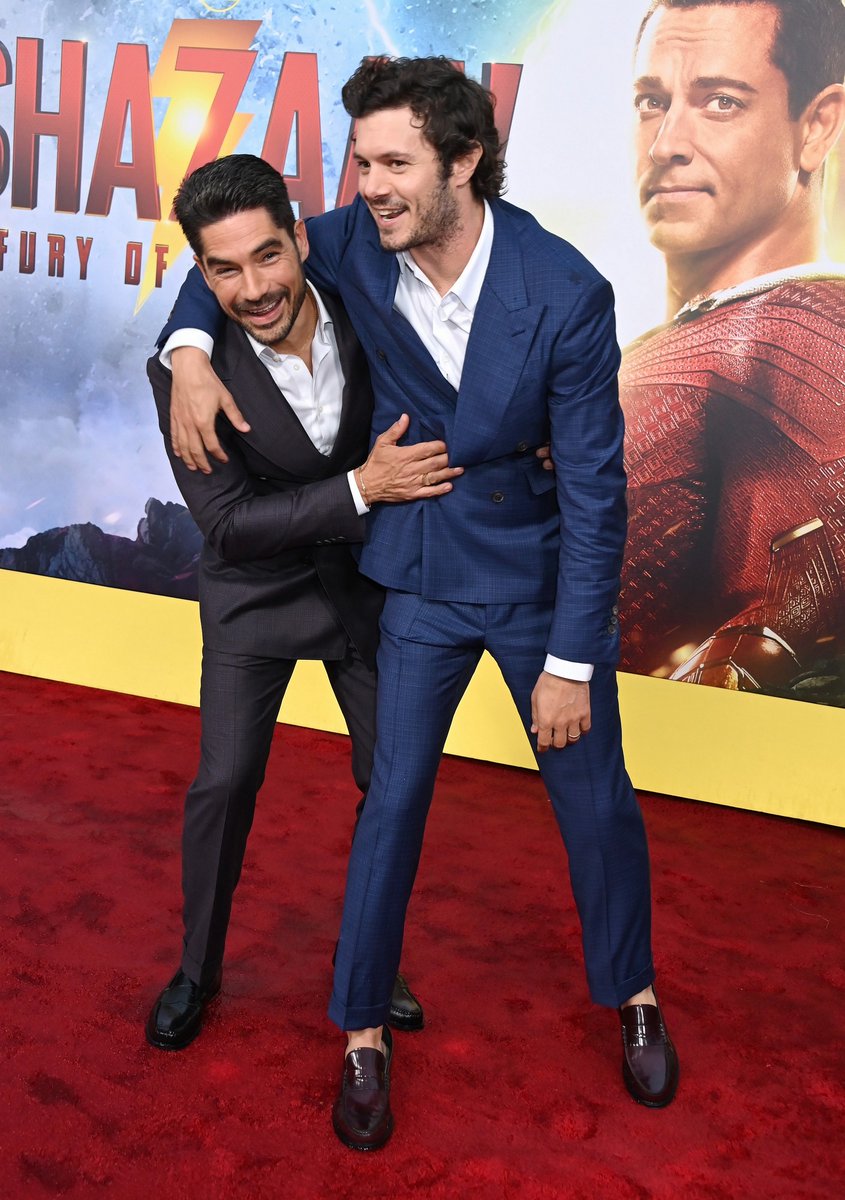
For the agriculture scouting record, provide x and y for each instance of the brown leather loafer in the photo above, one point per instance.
(649, 1059)
(361, 1115)
(405, 1009)
(176, 1017)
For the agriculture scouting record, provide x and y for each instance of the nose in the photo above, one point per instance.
(253, 286)
(373, 183)
(673, 140)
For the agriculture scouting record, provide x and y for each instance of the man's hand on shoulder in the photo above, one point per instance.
(560, 711)
(395, 473)
(196, 397)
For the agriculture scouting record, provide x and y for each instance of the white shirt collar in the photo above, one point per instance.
(467, 287)
(320, 334)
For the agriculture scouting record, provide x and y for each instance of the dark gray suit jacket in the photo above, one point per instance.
(278, 571)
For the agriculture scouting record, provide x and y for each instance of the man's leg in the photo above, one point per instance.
(426, 658)
(601, 824)
(596, 811)
(427, 655)
(354, 686)
(240, 698)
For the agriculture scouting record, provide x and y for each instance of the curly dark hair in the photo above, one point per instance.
(809, 45)
(456, 113)
(233, 184)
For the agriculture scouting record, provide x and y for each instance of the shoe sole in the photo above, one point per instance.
(184, 1042)
(405, 1024)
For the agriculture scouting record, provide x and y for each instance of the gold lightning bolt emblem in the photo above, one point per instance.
(202, 71)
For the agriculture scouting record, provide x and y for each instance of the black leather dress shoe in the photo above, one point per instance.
(176, 1017)
(361, 1115)
(649, 1059)
(405, 1009)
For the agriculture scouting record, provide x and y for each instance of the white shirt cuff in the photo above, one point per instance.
(581, 672)
(185, 337)
(360, 506)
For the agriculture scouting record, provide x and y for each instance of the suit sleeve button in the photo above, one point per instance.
(497, 497)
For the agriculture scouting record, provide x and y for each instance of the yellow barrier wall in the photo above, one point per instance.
(775, 756)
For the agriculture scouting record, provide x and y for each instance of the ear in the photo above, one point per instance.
(463, 168)
(821, 123)
(300, 237)
(203, 271)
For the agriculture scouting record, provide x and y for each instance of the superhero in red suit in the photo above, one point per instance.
(735, 568)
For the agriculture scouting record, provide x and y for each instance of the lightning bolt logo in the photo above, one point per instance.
(202, 71)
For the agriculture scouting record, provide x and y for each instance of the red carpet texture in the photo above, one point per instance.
(513, 1089)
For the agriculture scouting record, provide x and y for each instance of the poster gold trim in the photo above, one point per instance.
(744, 751)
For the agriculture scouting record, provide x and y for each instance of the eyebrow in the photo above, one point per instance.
(655, 83)
(387, 154)
(268, 244)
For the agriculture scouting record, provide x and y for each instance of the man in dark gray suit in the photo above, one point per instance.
(280, 517)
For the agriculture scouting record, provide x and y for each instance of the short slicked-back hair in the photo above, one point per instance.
(233, 184)
(809, 45)
(455, 112)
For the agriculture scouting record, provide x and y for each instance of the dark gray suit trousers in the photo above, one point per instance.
(240, 697)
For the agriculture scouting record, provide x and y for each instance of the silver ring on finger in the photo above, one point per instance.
(573, 737)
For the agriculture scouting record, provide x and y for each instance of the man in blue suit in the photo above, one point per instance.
(494, 336)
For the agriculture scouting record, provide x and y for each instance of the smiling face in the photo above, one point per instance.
(401, 180)
(255, 270)
(718, 157)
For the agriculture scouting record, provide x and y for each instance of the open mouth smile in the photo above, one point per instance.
(263, 314)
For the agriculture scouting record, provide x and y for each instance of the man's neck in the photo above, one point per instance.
(299, 339)
(690, 277)
(443, 262)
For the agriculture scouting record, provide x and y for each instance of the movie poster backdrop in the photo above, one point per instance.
(735, 409)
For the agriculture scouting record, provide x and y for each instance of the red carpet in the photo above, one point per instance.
(749, 919)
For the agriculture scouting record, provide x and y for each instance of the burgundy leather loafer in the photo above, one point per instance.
(405, 1009)
(649, 1059)
(361, 1115)
(176, 1017)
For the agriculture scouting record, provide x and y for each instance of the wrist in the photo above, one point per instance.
(190, 358)
(362, 487)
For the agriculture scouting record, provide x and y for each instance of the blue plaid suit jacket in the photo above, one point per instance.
(541, 366)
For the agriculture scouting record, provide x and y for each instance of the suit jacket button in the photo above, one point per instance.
(522, 447)
(381, 354)
(497, 497)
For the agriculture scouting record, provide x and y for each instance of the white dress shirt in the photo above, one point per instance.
(443, 324)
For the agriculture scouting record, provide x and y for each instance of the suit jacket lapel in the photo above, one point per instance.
(277, 433)
(429, 396)
(503, 330)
